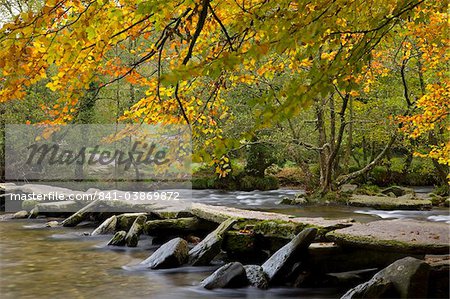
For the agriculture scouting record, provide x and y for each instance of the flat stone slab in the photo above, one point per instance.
(390, 203)
(219, 214)
(408, 236)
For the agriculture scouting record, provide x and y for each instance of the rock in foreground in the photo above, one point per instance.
(231, 275)
(107, 227)
(118, 239)
(170, 255)
(282, 260)
(405, 278)
(208, 248)
(256, 276)
(132, 237)
(20, 215)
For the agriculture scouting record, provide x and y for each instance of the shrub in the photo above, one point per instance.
(291, 176)
(249, 183)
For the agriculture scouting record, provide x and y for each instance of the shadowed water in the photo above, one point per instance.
(40, 262)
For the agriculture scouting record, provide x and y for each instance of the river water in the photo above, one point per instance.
(38, 262)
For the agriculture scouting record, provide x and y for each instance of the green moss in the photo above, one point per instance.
(443, 190)
(437, 200)
(236, 242)
(329, 197)
(368, 189)
(203, 182)
(235, 182)
(125, 221)
(389, 203)
(29, 204)
(276, 228)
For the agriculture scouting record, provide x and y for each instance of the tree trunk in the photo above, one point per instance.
(324, 152)
(331, 161)
(348, 150)
(441, 169)
(346, 178)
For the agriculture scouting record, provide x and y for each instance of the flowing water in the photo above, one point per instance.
(38, 262)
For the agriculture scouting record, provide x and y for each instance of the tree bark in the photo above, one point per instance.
(346, 178)
(322, 140)
(334, 150)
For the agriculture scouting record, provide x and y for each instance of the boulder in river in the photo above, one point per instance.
(297, 200)
(132, 237)
(405, 202)
(405, 278)
(52, 224)
(81, 214)
(170, 255)
(397, 191)
(438, 286)
(107, 227)
(33, 213)
(20, 215)
(231, 275)
(281, 261)
(208, 248)
(126, 220)
(256, 276)
(118, 239)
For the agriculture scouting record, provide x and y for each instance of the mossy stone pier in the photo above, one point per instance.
(414, 237)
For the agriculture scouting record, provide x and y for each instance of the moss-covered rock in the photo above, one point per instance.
(437, 200)
(405, 278)
(208, 248)
(267, 222)
(277, 266)
(170, 255)
(298, 199)
(416, 237)
(406, 202)
(278, 228)
(20, 215)
(118, 239)
(397, 191)
(237, 243)
(107, 227)
(132, 237)
(29, 204)
(126, 220)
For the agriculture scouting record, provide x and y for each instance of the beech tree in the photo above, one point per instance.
(185, 54)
